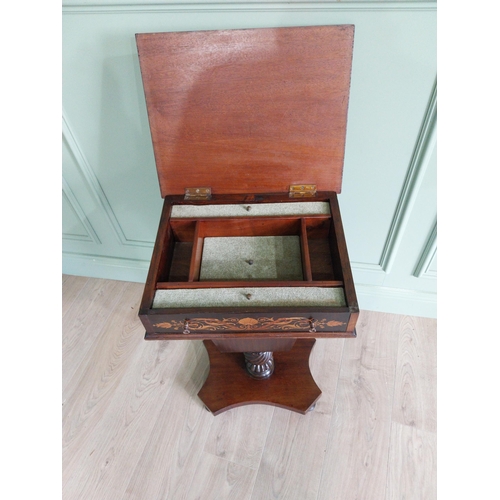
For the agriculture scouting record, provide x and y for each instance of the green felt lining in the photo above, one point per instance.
(256, 209)
(237, 297)
(271, 257)
(251, 257)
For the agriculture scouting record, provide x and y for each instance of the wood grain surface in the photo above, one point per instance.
(359, 440)
(133, 427)
(248, 111)
(291, 386)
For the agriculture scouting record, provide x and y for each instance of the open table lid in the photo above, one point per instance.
(248, 111)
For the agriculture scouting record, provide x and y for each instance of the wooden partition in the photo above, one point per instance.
(182, 269)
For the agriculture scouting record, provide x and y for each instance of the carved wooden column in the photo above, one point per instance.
(260, 365)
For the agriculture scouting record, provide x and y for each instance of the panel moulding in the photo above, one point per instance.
(418, 165)
(95, 187)
(201, 6)
(427, 255)
(80, 214)
(364, 266)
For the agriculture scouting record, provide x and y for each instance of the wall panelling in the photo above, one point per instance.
(111, 200)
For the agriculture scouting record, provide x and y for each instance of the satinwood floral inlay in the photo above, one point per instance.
(248, 324)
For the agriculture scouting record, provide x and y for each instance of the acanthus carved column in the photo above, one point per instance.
(260, 365)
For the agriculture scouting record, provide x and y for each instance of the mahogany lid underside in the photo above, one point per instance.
(248, 111)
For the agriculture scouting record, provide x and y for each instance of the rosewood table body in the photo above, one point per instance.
(248, 129)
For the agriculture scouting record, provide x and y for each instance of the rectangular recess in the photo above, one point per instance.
(251, 258)
(284, 209)
(259, 297)
(314, 232)
(181, 262)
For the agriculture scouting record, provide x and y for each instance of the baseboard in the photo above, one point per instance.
(397, 300)
(370, 297)
(112, 268)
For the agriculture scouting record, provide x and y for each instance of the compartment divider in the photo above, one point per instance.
(245, 284)
(194, 267)
(304, 245)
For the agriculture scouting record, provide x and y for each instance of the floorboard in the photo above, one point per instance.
(134, 429)
(358, 444)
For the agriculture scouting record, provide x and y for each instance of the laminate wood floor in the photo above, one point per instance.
(133, 427)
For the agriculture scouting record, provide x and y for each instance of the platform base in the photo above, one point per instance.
(291, 386)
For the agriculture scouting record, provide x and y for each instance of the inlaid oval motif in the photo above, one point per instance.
(334, 323)
(248, 321)
(164, 325)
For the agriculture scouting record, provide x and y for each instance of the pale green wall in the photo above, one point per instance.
(111, 200)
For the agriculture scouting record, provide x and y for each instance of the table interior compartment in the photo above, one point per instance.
(306, 238)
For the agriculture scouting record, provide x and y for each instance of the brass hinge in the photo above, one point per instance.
(302, 190)
(204, 193)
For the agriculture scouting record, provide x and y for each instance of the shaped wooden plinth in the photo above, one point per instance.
(291, 386)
